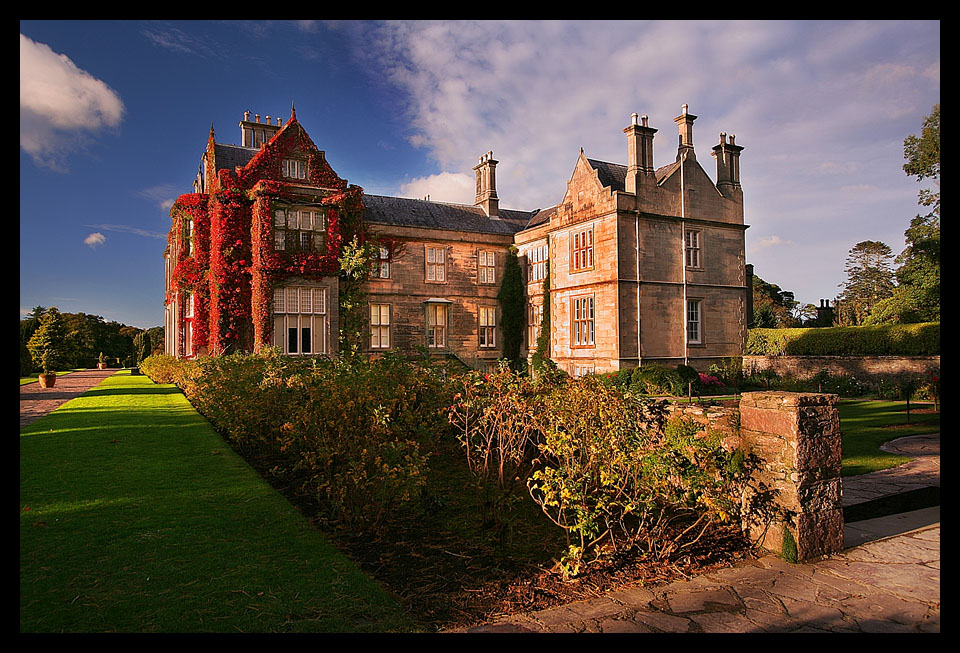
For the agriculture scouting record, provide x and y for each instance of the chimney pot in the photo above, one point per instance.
(633, 118)
(246, 116)
(256, 117)
(644, 120)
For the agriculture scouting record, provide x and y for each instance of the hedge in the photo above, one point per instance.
(887, 340)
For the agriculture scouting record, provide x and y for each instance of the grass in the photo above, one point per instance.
(866, 424)
(135, 516)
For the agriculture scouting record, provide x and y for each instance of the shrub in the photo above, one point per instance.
(654, 379)
(886, 340)
(493, 416)
(615, 475)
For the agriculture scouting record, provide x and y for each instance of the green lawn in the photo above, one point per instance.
(866, 424)
(136, 517)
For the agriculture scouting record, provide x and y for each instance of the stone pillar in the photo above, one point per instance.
(796, 436)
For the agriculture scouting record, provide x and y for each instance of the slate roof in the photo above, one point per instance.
(229, 157)
(401, 211)
(614, 175)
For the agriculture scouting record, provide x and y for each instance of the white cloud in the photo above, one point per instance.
(94, 240)
(60, 104)
(163, 195)
(122, 228)
(769, 241)
(450, 187)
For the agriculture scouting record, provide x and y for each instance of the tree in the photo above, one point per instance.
(46, 345)
(512, 309)
(870, 279)
(773, 307)
(917, 297)
(141, 346)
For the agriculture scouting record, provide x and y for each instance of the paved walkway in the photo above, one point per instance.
(35, 402)
(886, 580)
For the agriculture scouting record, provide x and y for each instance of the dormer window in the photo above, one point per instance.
(294, 168)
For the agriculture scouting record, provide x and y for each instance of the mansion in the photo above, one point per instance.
(643, 264)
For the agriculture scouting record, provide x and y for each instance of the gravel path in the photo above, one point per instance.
(35, 402)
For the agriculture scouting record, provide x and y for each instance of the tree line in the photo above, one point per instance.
(79, 339)
(875, 292)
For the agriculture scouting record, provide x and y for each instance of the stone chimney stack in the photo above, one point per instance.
(487, 198)
(728, 163)
(254, 133)
(685, 123)
(639, 153)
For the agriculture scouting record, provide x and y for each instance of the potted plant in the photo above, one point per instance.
(48, 374)
(47, 346)
(102, 362)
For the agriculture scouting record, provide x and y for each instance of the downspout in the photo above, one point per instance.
(636, 233)
(683, 264)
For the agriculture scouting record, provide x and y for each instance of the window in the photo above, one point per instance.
(294, 168)
(580, 370)
(187, 299)
(436, 267)
(299, 229)
(188, 236)
(383, 264)
(379, 326)
(488, 268)
(693, 249)
(436, 325)
(581, 256)
(488, 326)
(694, 321)
(533, 324)
(300, 319)
(538, 263)
(584, 326)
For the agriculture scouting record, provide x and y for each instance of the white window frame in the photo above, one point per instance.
(487, 333)
(297, 222)
(383, 264)
(533, 326)
(487, 266)
(583, 369)
(294, 168)
(538, 263)
(438, 319)
(693, 249)
(380, 326)
(694, 321)
(296, 309)
(436, 264)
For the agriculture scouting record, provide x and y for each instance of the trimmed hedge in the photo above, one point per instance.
(887, 340)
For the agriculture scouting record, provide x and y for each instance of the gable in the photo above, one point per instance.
(291, 142)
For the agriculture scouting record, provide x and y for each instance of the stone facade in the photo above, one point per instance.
(645, 265)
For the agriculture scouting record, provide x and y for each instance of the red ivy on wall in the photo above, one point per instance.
(234, 266)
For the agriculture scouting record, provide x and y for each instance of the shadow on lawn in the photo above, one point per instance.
(127, 390)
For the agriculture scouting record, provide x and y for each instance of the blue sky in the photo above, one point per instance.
(114, 116)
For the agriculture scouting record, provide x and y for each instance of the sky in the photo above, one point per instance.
(114, 116)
